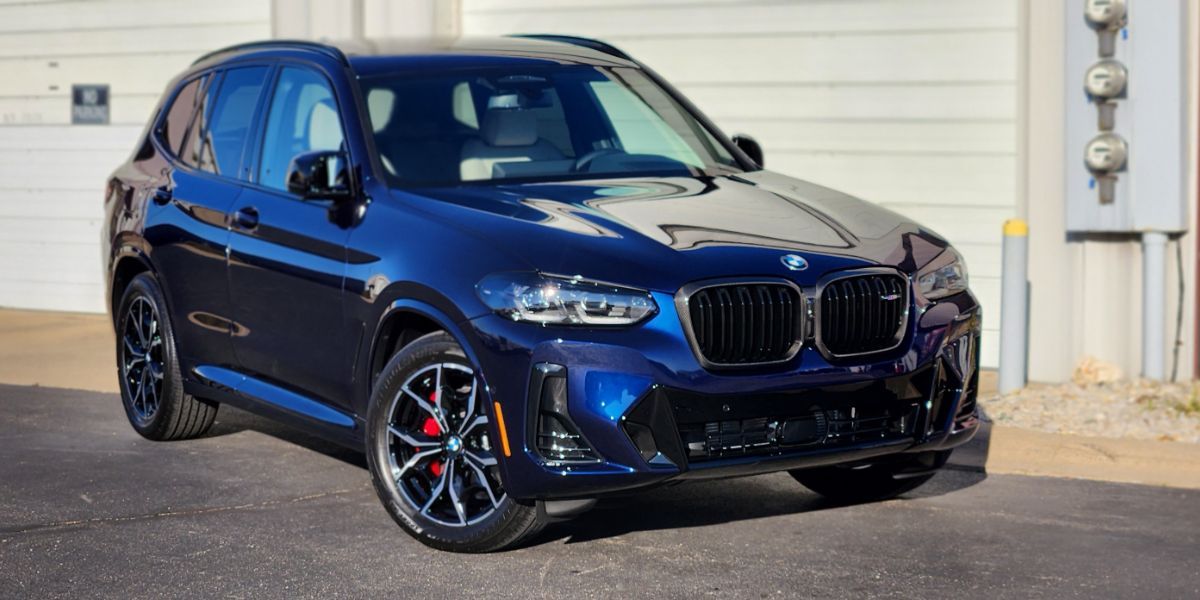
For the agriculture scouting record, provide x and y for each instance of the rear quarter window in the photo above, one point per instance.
(218, 137)
(179, 115)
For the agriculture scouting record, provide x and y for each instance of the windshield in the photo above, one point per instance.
(540, 123)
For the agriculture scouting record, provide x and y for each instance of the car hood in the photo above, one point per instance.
(661, 233)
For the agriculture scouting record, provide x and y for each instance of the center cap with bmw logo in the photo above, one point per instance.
(794, 262)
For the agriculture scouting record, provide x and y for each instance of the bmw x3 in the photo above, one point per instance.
(521, 274)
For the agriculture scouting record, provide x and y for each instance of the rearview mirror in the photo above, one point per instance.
(750, 146)
(319, 175)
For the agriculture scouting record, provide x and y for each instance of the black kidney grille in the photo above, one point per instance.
(741, 324)
(863, 314)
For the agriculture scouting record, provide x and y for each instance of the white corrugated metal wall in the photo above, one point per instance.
(51, 172)
(909, 104)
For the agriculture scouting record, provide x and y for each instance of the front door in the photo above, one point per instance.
(287, 257)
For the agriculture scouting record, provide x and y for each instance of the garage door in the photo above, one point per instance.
(52, 173)
(908, 104)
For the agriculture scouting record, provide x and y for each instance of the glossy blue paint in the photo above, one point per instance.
(289, 317)
(611, 394)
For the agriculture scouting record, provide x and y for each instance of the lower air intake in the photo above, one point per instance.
(556, 437)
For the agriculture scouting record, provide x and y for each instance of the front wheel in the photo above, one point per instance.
(874, 482)
(432, 461)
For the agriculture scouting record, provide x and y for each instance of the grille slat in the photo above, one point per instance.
(743, 324)
(862, 314)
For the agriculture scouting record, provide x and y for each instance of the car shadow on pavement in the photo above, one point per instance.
(231, 420)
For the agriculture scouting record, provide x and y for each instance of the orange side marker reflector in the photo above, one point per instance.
(503, 430)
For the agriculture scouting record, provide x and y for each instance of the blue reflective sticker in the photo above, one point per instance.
(611, 394)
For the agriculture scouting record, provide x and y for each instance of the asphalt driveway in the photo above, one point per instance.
(87, 508)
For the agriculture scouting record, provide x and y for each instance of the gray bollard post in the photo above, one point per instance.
(1154, 305)
(1014, 306)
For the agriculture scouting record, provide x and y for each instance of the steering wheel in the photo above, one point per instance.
(584, 163)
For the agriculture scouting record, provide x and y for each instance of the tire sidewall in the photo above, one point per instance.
(430, 349)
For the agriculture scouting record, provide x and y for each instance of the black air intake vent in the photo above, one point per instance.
(556, 437)
(863, 314)
(746, 324)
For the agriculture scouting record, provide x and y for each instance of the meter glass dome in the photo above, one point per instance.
(1106, 153)
(1106, 79)
(1104, 12)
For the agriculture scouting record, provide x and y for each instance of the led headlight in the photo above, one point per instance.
(944, 276)
(551, 300)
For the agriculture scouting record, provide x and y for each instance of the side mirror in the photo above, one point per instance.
(319, 175)
(750, 146)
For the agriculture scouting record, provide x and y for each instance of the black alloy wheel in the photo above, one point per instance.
(434, 452)
(148, 366)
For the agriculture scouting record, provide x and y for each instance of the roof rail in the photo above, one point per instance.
(575, 40)
(327, 50)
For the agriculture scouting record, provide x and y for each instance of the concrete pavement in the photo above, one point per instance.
(87, 508)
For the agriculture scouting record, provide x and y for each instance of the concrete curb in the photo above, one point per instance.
(1147, 462)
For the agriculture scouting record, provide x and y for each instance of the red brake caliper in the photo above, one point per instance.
(431, 429)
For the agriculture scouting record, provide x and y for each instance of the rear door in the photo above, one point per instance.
(205, 133)
(287, 255)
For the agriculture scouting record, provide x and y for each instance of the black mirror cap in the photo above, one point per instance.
(319, 174)
(750, 146)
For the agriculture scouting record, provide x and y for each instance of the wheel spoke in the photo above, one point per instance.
(139, 397)
(408, 438)
(484, 482)
(413, 460)
(131, 349)
(482, 460)
(458, 507)
(138, 326)
(435, 493)
(147, 406)
(434, 412)
(468, 422)
(471, 424)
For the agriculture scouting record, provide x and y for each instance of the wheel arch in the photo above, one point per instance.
(128, 263)
(404, 321)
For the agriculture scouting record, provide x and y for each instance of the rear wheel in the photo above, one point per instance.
(151, 382)
(874, 482)
(432, 461)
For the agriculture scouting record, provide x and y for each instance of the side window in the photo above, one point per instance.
(303, 117)
(174, 125)
(219, 134)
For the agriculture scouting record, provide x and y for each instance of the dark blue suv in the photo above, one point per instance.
(521, 274)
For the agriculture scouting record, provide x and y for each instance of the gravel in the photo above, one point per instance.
(1121, 408)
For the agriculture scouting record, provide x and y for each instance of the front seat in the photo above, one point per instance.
(506, 135)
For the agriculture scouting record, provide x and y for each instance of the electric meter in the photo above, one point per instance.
(1106, 153)
(1106, 79)
(1105, 14)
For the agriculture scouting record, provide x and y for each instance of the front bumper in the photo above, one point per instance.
(652, 414)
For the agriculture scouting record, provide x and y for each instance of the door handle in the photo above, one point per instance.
(162, 195)
(246, 218)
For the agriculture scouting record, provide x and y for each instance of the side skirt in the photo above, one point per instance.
(269, 400)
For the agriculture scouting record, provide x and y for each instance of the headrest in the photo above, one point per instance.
(509, 127)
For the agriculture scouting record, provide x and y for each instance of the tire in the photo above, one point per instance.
(881, 481)
(148, 367)
(443, 492)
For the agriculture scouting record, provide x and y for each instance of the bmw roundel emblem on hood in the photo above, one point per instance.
(794, 262)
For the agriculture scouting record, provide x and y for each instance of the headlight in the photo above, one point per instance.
(944, 276)
(550, 300)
